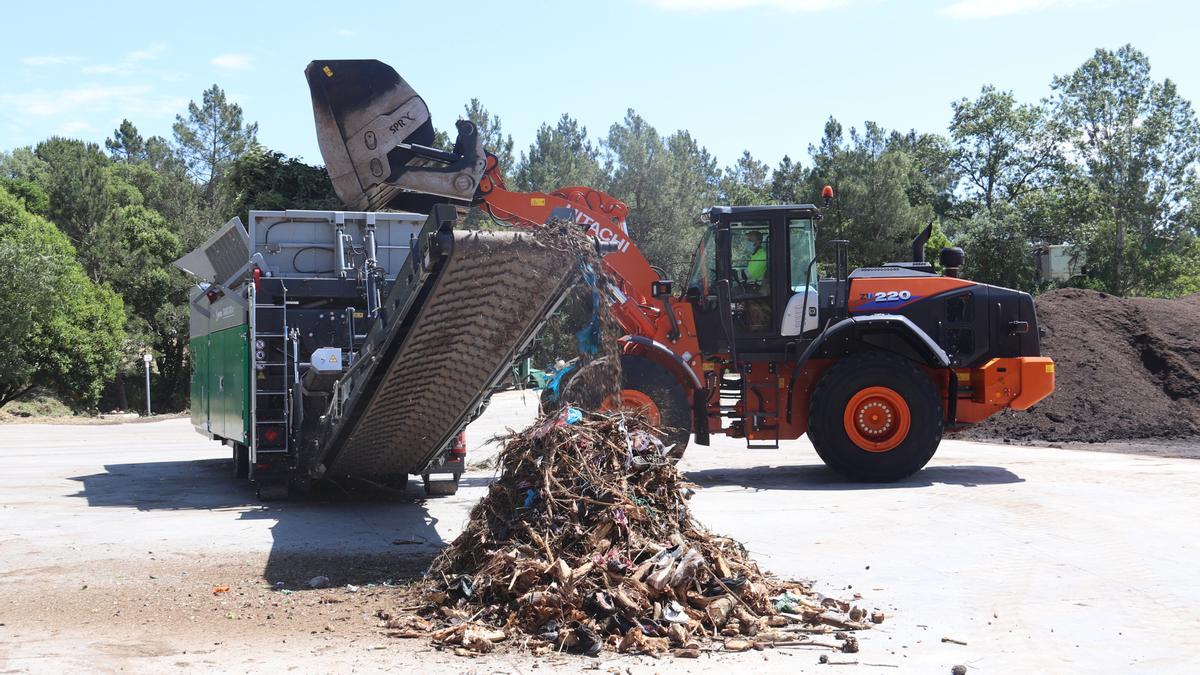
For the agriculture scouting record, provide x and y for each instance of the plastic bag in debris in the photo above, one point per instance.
(589, 337)
(556, 381)
(530, 497)
(461, 587)
(787, 602)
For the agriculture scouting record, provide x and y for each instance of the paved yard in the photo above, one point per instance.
(112, 539)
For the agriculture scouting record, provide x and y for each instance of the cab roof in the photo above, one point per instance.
(716, 212)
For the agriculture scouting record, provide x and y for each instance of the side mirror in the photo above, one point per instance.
(692, 294)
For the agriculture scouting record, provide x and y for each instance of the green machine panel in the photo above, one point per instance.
(198, 347)
(228, 384)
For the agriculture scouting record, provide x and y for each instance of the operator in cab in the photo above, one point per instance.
(756, 268)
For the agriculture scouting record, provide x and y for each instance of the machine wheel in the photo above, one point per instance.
(441, 488)
(875, 417)
(645, 385)
(397, 482)
(241, 461)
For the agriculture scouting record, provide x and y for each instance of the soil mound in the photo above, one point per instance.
(584, 543)
(1126, 368)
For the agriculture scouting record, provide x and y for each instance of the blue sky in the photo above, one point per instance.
(761, 75)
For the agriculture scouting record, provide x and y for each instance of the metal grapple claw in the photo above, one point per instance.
(375, 135)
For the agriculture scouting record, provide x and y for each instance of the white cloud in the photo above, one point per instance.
(100, 70)
(49, 60)
(148, 54)
(345, 32)
(129, 100)
(232, 61)
(70, 128)
(988, 9)
(789, 6)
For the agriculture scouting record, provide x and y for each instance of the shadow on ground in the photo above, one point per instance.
(351, 537)
(820, 477)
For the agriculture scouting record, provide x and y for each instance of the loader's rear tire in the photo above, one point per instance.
(875, 418)
(645, 386)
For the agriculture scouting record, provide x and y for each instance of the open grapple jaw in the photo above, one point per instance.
(375, 135)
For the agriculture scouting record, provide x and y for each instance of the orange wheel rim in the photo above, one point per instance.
(877, 419)
(632, 399)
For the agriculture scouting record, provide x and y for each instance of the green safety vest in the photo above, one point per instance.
(757, 269)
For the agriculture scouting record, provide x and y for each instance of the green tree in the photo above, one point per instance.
(32, 196)
(932, 179)
(166, 189)
(266, 180)
(560, 156)
(126, 144)
(872, 179)
(665, 183)
(1002, 149)
(745, 183)
(24, 164)
(692, 184)
(138, 246)
(788, 183)
(997, 248)
(211, 137)
(58, 329)
(1138, 141)
(76, 181)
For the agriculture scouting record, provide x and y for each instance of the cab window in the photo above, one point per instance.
(802, 250)
(704, 271)
(750, 258)
(750, 262)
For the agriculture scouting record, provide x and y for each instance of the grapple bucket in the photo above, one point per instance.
(375, 135)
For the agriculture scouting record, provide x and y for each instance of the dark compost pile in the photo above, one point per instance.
(1126, 369)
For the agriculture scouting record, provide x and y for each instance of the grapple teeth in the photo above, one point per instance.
(363, 109)
(374, 131)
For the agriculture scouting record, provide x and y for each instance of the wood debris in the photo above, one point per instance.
(585, 543)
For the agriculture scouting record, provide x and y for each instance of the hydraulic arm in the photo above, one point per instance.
(376, 136)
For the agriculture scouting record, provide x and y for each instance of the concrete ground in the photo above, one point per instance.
(115, 542)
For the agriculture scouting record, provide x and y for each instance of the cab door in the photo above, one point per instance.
(701, 292)
(754, 262)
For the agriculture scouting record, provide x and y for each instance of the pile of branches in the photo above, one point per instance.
(585, 542)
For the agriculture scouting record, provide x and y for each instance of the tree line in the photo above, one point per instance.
(1106, 163)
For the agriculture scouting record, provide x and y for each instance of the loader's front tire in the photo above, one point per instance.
(645, 386)
(875, 418)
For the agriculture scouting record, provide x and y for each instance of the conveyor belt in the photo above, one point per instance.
(490, 296)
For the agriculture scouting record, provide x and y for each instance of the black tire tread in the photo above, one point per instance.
(825, 428)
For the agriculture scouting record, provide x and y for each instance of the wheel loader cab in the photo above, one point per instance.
(752, 278)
